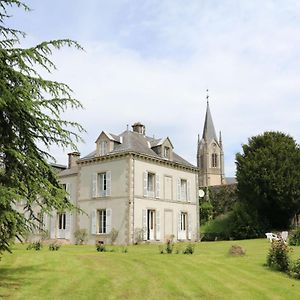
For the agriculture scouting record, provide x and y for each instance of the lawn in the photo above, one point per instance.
(79, 272)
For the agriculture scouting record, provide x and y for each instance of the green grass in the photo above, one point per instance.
(79, 272)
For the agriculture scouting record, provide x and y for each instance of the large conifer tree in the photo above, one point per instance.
(268, 175)
(30, 115)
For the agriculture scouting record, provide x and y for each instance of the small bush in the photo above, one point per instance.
(54, 246)
(81, 236)
(278, 256)
(236, 250)
(295, 269)
(101, 248)
(190, 248)
(35, 245)
(294, 239)
(169, 247)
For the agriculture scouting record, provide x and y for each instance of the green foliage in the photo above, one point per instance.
(278, 256)
(54, 246)
(30, 121)
(81, 236)
(206, 210)
(169, 247)
(101, 248)
(238, 224)
(35, 245)
(189, 249)
(222, 199)
(295, 269)
(268, 175)
(294, 239)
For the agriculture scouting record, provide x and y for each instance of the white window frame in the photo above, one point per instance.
(103, 147)
(102, 221)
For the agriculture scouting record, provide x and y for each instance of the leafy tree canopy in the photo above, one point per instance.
(268, 175)
(30, 109)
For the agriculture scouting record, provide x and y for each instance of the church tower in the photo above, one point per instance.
(210, 155)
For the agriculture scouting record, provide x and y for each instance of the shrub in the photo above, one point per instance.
(295, 269)
(169, 247)
(35, 245)
(206, 210)
(278, 256)
(236, 250)
(235, 225)
(101, 248)
(54, 246)
(294, 239)
(81, 236)
(124, 249)
(189, 249)
(113, 235)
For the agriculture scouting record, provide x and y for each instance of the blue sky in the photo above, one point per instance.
(152, 61)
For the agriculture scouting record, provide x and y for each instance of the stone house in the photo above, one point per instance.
(132, 185)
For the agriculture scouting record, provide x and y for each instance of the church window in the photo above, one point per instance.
(214, 160)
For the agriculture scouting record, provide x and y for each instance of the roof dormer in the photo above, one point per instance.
(163, 148)
(105, 143)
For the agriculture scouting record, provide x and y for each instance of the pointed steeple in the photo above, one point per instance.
(209, 132)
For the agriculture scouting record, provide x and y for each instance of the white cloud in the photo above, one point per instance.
(159, 58)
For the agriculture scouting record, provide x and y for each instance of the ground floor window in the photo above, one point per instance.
(61, 220)
(183, 221)
(102, 221)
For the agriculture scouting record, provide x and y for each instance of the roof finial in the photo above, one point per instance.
(207, 96)
(127, 127)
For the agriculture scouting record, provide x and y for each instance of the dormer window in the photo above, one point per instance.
(167, 152)
(103, 147)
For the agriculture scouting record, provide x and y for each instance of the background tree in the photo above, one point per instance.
(268, 176)
(30, 108)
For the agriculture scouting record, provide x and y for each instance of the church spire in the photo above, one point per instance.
(209, 132)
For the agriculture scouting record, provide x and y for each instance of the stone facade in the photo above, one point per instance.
(132, 185)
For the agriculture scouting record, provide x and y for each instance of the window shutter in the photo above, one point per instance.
(178, 188)
(108, 183)
(93, 222)
(53, 225)
(158, 225)
(108, 220)
(68, 226)
(188, 191)
(145, 184)
(157, 190)
(189, 226)
(94, 185)
(178, 226)
(68, 190)
(144, 220)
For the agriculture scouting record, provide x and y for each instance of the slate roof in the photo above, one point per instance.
(209, 132)
(138, 143)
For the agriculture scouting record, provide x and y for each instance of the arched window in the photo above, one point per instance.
(214, 160)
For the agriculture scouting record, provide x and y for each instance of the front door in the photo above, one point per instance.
(151, 224)
(61, 223)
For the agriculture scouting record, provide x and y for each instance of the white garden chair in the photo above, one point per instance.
(272, 236)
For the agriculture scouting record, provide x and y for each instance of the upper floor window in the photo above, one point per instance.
(151, 185)
(101, 185)
(183, 190)
(167, 152)
(214, 160)
(103, 147)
